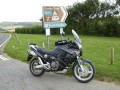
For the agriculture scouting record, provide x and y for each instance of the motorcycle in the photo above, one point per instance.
(65, 54)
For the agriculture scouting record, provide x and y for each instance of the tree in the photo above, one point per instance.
(93, 17)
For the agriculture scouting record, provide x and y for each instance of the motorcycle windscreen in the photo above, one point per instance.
(76, 37)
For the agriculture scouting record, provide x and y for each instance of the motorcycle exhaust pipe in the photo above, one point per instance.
(45, 66)
(42, 66)
(39, 66)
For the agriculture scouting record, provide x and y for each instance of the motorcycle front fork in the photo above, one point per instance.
(80, 63)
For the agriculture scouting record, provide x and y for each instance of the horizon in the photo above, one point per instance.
(20, 21)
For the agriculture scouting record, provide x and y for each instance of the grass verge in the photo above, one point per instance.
(96, 49)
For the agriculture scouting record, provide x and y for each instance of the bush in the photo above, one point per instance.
(97, 27)
(30, 30)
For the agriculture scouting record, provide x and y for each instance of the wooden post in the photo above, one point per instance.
(43, 45)
(19, 42)
(112, 55)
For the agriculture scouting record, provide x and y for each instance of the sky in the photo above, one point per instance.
(28, 10)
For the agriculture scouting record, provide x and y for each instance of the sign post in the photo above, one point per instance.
(48, 34)
(61, 32)
(54, 17)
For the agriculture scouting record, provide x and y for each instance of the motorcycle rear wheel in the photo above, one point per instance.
(86, 75)
(33, 70)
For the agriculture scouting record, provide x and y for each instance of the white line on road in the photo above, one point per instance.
(5, 41)
(3, 58)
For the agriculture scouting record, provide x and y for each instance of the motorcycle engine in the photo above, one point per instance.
(54, 65)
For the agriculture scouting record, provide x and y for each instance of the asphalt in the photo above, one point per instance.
(15, 75)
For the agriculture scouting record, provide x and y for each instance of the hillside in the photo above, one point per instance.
(10, 26)
(19, 23)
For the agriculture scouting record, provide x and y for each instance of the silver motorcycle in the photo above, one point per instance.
(66, 54)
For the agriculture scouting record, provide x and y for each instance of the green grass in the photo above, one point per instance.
(96, 49)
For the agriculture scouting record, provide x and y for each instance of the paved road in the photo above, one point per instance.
(3, 38)
(15, 75)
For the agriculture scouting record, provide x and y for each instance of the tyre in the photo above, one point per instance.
(86, 75)
(35, 71)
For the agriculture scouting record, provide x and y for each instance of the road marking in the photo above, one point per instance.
(3, 58)
(5, 41)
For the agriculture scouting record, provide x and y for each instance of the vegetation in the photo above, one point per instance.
(95, 48)
(94, 18)
(31, 30)
(10, 26)
(19, 23)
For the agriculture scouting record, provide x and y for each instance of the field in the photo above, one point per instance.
(96, 49)
(10, 28)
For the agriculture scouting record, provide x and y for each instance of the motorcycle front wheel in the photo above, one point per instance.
(86, 75)
(35, 71)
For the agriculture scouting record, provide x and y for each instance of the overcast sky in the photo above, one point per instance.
(27, 10)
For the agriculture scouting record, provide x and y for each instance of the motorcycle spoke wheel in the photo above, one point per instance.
(86, 75)
(36, 71)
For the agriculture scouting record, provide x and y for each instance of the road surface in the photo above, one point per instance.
(15, 75)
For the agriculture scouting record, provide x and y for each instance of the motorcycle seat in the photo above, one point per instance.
(44, 51)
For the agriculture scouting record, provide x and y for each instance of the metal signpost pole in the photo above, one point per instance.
(48, 34)
(61, 32)
(61, 37)
(48, 41)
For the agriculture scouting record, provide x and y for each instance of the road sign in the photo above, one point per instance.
(47, 31)
(54, 17)
(55, 24)
(54, 14)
